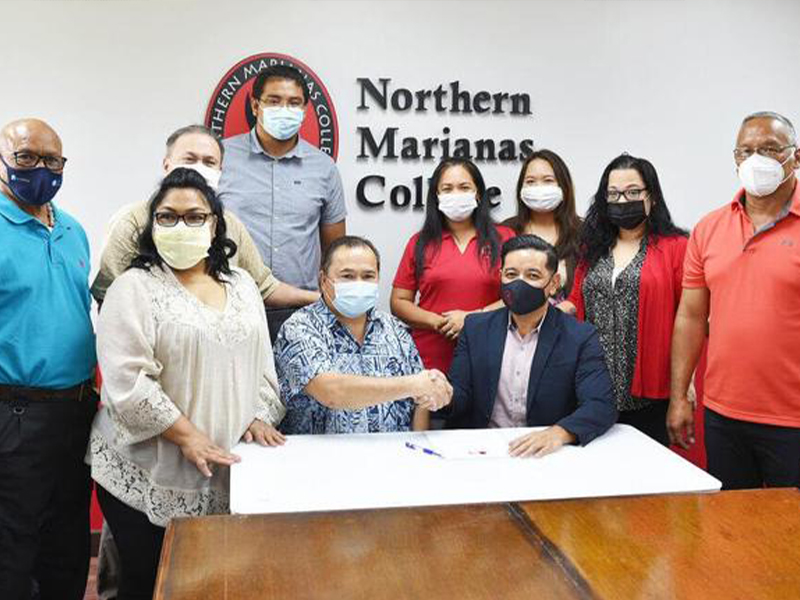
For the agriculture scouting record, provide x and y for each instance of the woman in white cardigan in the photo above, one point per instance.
(188, 371)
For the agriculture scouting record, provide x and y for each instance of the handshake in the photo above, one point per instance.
(431, 390)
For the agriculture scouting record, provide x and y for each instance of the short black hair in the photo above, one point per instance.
(222, 248)
(201, 129)
(348, 241)
(531, 242)
(280, 72)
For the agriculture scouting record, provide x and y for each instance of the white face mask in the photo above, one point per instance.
(282, 122)
(761, 175)
(354, 298)
(542, 198)
(458, 206)
(182, 247)
(210, 174)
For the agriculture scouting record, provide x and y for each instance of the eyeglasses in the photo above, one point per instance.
(631, 195)
(277, 103)
(170, 219)
(28, 160)
(742, 154)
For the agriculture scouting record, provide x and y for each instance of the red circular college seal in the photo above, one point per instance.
(229, 112)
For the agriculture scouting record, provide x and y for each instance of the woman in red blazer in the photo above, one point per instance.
(628, 285)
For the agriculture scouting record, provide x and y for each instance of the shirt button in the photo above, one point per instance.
(275, 249)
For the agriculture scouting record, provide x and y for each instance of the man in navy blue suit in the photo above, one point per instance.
(530, 364)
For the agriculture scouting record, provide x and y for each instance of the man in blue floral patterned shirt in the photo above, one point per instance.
(346, 367)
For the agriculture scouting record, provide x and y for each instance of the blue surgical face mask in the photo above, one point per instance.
(354, 298)
(33, 186)
(282, 122)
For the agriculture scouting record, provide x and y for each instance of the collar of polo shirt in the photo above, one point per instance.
(792, 204)
(299, 151)
(12, 212)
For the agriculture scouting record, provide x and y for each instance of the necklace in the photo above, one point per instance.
(51, 220)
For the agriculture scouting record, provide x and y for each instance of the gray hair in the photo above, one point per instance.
(201, 129)
(768, 114)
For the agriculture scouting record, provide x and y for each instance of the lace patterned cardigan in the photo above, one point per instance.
(163, 354)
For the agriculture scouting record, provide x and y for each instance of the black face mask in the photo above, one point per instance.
(627, 215)
(521, 297)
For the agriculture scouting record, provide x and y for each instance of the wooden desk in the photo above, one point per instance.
(726, 545)
(732, 545)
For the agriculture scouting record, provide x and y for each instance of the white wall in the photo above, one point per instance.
(667, 80)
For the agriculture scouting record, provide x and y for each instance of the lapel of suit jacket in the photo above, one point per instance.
(548, 336)
(495, 347)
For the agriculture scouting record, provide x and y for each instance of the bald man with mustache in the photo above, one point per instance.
(47, 361)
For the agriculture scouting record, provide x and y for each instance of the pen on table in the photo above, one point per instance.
(423, 449)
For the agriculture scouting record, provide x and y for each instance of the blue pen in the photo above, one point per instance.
(423, 450)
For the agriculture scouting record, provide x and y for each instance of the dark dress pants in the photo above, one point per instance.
(45, 491)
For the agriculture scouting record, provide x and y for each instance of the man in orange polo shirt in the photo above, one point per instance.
(742, 281)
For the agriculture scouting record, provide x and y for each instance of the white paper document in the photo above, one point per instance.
(345, 472)
(470, 444)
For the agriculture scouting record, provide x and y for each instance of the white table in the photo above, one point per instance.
(344, 472)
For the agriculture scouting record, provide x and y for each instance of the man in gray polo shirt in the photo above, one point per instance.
(287, 192)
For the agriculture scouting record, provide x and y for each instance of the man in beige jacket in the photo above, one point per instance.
(195, 147)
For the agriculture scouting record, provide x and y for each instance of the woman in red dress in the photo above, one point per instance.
(451, 267)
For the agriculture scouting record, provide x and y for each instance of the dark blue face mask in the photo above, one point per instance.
(33, 186)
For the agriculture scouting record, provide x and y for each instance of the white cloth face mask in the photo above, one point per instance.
(542, 198)
(458, 206)
(210, 174)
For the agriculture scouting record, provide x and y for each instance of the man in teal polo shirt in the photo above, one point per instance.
(47, 359)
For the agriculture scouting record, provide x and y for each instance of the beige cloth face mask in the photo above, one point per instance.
(182, 247)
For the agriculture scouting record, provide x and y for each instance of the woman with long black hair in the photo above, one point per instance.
(628, 284)
(188, 371)
(453, 262)
(546, 208)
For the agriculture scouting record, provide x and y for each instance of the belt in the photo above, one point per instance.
(14, 392)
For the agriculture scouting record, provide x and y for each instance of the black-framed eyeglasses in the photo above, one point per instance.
(631, 195)
(742, 154)
(25, 159)
(170, 219)
(275, 103)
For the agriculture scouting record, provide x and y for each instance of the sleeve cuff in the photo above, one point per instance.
(147, 419)
(268, 286)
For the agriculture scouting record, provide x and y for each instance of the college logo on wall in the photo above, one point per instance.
(229, 111)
